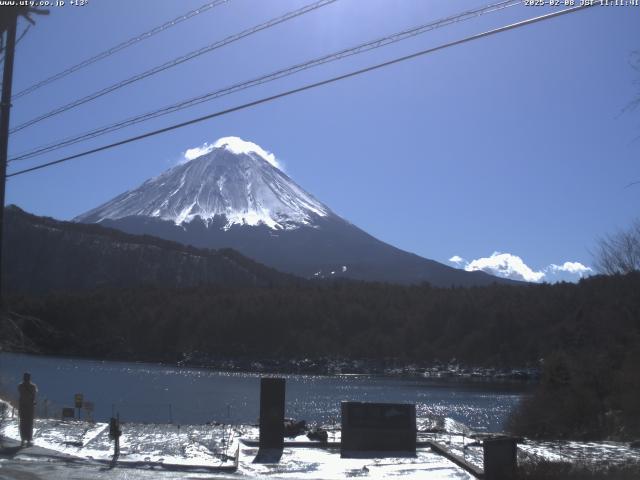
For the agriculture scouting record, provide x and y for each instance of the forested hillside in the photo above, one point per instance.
(496, 325)
(42, 254)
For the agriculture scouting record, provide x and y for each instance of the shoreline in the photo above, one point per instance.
(329, 367)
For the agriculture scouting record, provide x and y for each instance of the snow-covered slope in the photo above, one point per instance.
(233, 179)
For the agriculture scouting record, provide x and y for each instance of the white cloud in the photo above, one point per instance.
(505, 265)
(457, 259)
(196, 152)
(571, 267)
(235, 145)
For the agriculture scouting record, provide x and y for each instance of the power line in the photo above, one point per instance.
(305, 87)
(363, 47)
(119, 47)
(176, 61)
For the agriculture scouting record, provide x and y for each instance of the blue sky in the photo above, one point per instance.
(516, 144)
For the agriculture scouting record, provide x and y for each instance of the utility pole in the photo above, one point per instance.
(11, 24)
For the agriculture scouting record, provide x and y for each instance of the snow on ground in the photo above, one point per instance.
(610, 453)
(151, 446)
(216, 445)
(327, 464)
(207, 445)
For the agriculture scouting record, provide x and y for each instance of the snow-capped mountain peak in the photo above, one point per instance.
(231, 178)
(235, 145)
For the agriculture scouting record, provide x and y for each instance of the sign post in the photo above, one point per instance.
(88, 408)
(77, 399)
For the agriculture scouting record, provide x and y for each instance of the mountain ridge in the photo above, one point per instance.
(234, 196)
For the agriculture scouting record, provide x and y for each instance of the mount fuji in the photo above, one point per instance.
(233, 194)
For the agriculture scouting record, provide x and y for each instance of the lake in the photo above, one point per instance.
(142, 392)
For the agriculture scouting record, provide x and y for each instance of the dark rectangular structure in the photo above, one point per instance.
(378, 427)
(68, 412)
(272, 392)
(500, 458)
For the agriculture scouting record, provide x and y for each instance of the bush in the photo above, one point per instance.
(586, 395)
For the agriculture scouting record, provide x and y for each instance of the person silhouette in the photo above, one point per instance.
(26, 407)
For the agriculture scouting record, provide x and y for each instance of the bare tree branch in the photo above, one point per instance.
(619, 252)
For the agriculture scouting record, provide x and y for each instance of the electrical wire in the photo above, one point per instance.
(305, 88)
(117, 48)
(172, 63)
(364, 47)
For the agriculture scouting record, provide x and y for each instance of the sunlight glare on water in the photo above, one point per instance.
(163, 394)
